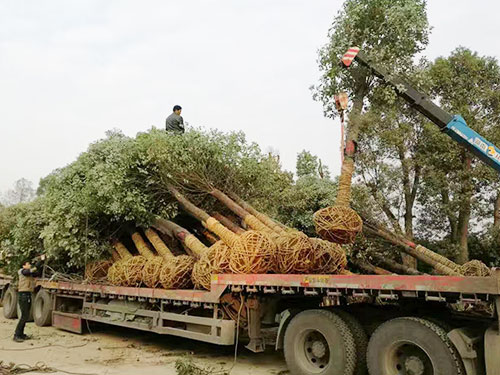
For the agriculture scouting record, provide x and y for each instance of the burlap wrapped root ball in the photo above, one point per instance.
(214, 260)
(127, 272)
(338, 224)
(330, 258)
(475, 268)
(176, 272)
(151, 272)
(98, 270)
(295, 254)
(255, 255)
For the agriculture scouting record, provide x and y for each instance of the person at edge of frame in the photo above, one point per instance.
(25, 289)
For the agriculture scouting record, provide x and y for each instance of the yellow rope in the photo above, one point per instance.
(229, 237)
(122, 250)
(158, 244)
(438, 258)
(345, 180)
(196, 246)
(141, 246)
(256, 224)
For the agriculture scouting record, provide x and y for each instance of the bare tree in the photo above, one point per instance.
(22, 191)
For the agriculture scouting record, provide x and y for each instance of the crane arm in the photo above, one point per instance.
(453, 126)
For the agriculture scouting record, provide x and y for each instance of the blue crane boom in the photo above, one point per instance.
(453, 126)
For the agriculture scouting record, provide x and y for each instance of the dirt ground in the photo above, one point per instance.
(114, 350)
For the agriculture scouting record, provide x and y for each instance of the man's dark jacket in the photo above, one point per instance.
(174, 123)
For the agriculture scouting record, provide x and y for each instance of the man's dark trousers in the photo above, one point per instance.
(24, 299)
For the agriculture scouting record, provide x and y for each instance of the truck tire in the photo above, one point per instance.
(412, 346)
(10, 303)
(360, 340)
(18, 309)
(42, 308)
(319, 342)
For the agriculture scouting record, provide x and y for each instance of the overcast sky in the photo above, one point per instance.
(70, 70)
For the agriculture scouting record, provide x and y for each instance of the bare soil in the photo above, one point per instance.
(114, 350)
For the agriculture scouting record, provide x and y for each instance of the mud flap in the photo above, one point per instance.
(491, 350)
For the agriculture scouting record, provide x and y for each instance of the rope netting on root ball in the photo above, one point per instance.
(97, 271)
(338, 224)
(295, 254)
(256, 254)
(127, 272)
(213, 261)
(152, 270)
(475, 268)
(176, 273)
(171, 272)
(330, 258)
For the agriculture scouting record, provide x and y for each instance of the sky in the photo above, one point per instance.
(70, 70)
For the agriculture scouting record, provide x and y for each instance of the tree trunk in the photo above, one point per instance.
(452, 220)
(464, 212)
(410, 193)
(394, 266)
(496, 212)
(438, 262)
(345, 180)
(370, 268)
(196, 247)
(228, 223)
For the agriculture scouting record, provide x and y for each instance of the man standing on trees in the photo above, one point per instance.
(25, 289)
(174, 122)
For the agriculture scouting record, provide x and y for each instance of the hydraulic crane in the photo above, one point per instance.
(454, 126)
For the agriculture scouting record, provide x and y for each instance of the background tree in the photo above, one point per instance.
(389, 162)
(310, 165)
(22, 191)
(455, 182)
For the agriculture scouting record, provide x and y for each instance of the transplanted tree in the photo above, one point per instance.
(455, 182)
(392, 32)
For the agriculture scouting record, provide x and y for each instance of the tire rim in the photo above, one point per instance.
(314, 350)
(408, 358)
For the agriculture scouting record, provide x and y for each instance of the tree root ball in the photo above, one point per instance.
(475, 268)
(151, 272)
(115, 274)
(127, 272)
(214, 260)
(295, 254)
(98, 270)
(338, 224)
(176, 272)
(202, 273)
(255, 255)
(330, 258)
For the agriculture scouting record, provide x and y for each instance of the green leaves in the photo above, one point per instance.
(392, 32)
(120, 182)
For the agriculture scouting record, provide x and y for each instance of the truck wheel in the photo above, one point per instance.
(360, 339)
(42, 308)
(412, 346)
(319, 342)
(18, 309)
(10, 303)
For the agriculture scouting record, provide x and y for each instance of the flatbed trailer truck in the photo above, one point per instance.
(325, 324)
(412, 324)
